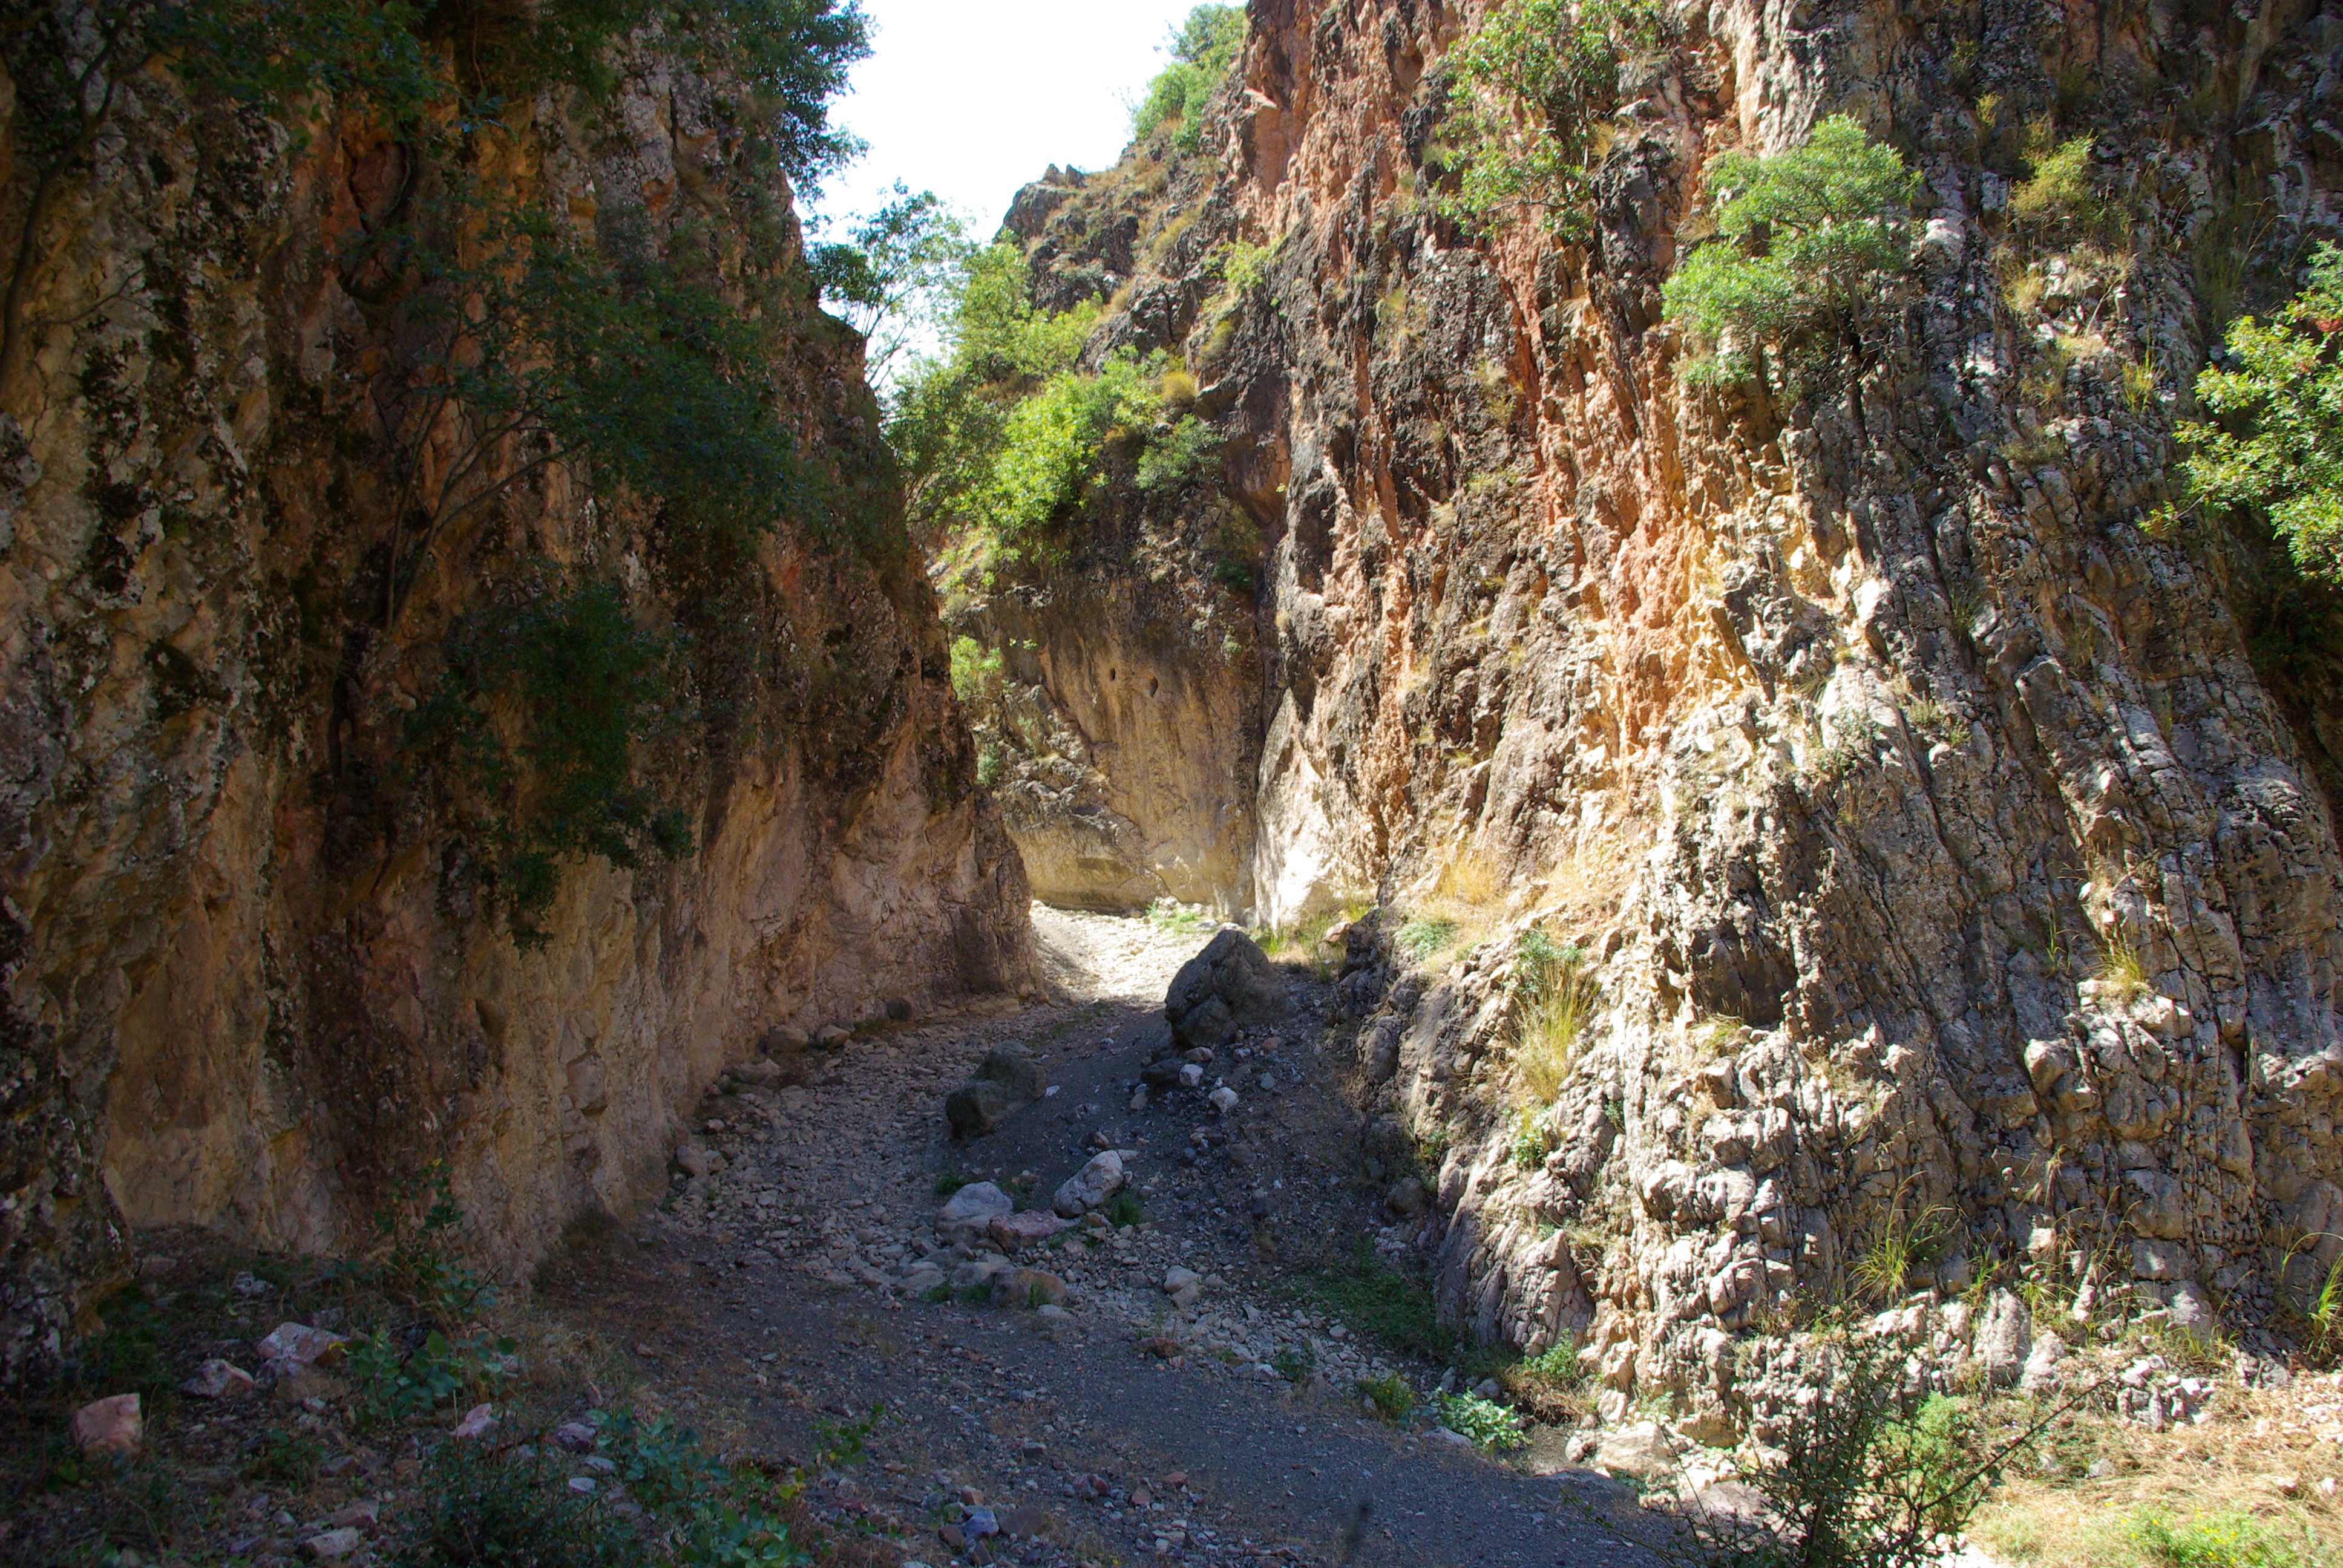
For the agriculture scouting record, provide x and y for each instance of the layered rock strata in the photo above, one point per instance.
(1948, 874)
(252, 981)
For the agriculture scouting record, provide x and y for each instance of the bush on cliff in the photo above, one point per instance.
(1531, 93)
(2275, 448)
(1810, 246)
(1202, 48)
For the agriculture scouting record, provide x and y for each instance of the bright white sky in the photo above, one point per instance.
(973, 100)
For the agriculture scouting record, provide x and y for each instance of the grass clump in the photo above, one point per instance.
(1554, 997)
(1550, 1384)
(1809, 249)
(2274, 445)
(950, 1181)
(2058, 199)
(1426, 936)
(2122, 972)
(1531, 94)
(1901, 1246)
(1489, 1424)
(1390, 1305)
(2229, 1538)
(1122, 1211)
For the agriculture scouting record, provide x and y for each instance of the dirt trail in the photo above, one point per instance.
(768, 1297)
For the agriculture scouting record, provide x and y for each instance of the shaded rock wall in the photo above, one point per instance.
(1856, 742)
(250, 981)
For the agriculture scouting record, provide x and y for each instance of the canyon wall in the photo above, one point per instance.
(1944, 834)
(256, 979)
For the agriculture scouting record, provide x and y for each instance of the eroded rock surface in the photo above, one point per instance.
(1935, 850)
(251, 981)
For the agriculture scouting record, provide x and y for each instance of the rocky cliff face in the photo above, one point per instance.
(1945, 851)
(260, 973)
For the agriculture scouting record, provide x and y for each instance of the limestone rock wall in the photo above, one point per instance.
(249, 981)
(1860, 745)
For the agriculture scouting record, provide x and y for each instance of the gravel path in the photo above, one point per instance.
(769, 1296)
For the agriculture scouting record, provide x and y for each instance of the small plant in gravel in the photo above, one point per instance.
(1390, 1396)
(1390, 1305)
(1489, 1424)
(1123, 1209)
(488, 1511)
(1294, 1364)
(1175, 918)
(952, 1181)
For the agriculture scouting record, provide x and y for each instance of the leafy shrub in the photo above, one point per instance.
(1529, 92)
(2277, 450)
(1188, 454)
(1294, 1364)
(1871, 1476)
(1202, 49)
(975, 668)
(1391, 1395)
(1810, 246)
(482, 1511)
(288, 1459)
(1528, 1145)
(1489, 1424)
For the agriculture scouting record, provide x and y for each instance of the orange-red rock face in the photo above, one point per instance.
(1863, 739)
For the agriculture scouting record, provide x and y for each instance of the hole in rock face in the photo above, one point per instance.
(1152, 684)
(1109, 675)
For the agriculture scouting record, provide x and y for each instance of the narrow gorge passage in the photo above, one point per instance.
(767, 1297)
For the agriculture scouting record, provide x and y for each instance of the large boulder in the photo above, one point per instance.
(1089, 1186)
(1007, 1081)
(1230, 985)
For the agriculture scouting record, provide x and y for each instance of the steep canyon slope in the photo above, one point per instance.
(411, 759)
(1936, 836)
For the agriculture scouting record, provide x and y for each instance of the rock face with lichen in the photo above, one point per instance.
(1941, 840)
(254, 978)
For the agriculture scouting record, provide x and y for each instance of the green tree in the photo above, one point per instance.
(1202, 49)
(1810, 246)
(2277, 448)
(896, 274)
(1529, 92)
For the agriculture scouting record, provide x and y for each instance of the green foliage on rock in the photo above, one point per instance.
(535, 729)
(1202, 48)
(1810, 246)
(2275, 446)
(1531, 93)
(1003, 434)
